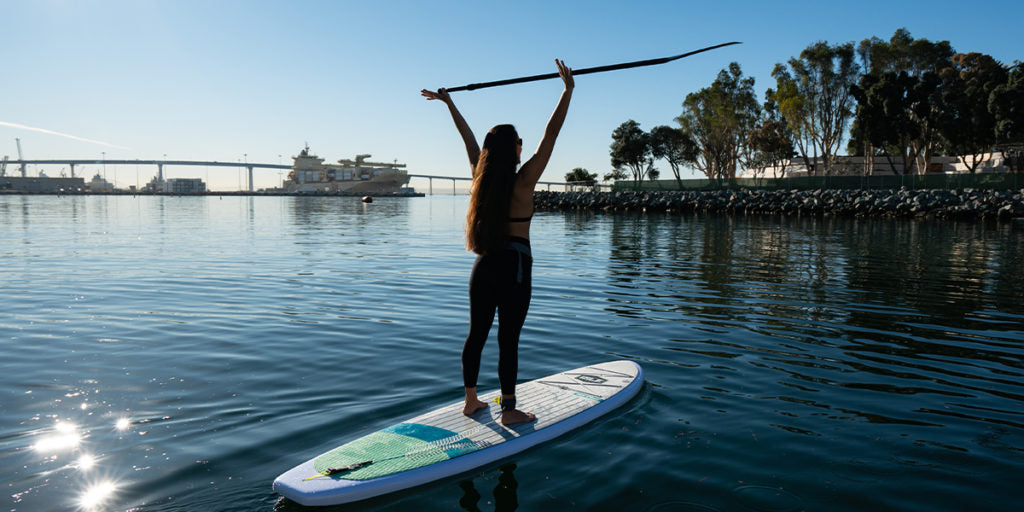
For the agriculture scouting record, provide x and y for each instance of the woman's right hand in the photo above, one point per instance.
(472, 148)
(440, 94)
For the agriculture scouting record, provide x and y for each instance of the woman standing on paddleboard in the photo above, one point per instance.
(498, 230)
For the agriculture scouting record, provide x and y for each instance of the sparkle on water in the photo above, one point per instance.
(86, 462)
(63, 437)
(96, 495)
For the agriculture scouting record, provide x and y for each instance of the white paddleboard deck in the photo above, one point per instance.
(445, 442)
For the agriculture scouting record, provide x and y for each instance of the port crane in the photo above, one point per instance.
(18, 142)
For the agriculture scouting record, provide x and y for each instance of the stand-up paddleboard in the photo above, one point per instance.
(446, 442)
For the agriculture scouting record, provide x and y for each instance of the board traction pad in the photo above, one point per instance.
(395, 449)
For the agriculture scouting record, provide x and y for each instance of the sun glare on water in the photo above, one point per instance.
(86, 462)
(65, 438)
(96, 495)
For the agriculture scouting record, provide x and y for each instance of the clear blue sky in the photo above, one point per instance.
(216, 80)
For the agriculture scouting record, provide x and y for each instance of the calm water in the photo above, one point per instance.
(177, 354)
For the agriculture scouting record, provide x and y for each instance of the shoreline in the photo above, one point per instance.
(903, 203)
(230, 193)
(954, 204)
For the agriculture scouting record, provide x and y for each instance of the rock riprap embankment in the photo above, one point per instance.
(939, 203)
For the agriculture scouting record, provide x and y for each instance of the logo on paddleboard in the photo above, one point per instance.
(591, 379)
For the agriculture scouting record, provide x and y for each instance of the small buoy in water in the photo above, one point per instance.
(367, 199)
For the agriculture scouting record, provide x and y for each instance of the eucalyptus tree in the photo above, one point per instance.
(794, 109)
(914, 66)
(904, 53)
(771, 140)
(616, 174)
(580, 175)
(631, 149)
(718, 119)
(675, 146)
(813, 93)
(1007, 105)
(883, 121)
(968, 126)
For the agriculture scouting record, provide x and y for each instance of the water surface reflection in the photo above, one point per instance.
(178, 353)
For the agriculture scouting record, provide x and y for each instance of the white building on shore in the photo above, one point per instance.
(857, 166)
(183, 186)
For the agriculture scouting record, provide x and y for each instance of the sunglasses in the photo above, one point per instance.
(520, 141)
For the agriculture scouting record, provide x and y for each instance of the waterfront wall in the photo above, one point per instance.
(938, 203)
(988, 180)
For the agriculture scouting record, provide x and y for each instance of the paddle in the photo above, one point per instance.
(577, 72)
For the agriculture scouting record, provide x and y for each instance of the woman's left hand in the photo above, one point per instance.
(566, 73)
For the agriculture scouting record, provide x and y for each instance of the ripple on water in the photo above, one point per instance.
(768, 499)
(866, 469)
(681, 506)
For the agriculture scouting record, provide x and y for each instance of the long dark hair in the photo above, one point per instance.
(491, 192)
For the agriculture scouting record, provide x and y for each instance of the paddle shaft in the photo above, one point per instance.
(577, 72)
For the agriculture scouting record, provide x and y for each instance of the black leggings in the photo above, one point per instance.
(499, 281)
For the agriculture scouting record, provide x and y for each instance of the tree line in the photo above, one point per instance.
(904, 100)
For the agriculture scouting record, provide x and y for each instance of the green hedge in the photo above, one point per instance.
(995, 181)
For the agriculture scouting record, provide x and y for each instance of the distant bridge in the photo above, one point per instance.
(198, 163)
(158, 163)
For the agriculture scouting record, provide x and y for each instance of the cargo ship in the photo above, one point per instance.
(310, 175)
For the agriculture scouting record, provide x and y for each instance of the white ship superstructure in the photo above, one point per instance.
(309, 174)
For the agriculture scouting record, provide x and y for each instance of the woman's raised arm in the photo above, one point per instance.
(472, 148)
(534, 167)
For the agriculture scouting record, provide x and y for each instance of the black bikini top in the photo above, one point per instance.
(520, 219)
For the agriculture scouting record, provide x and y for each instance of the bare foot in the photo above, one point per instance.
(473, 406)
(516, 416)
